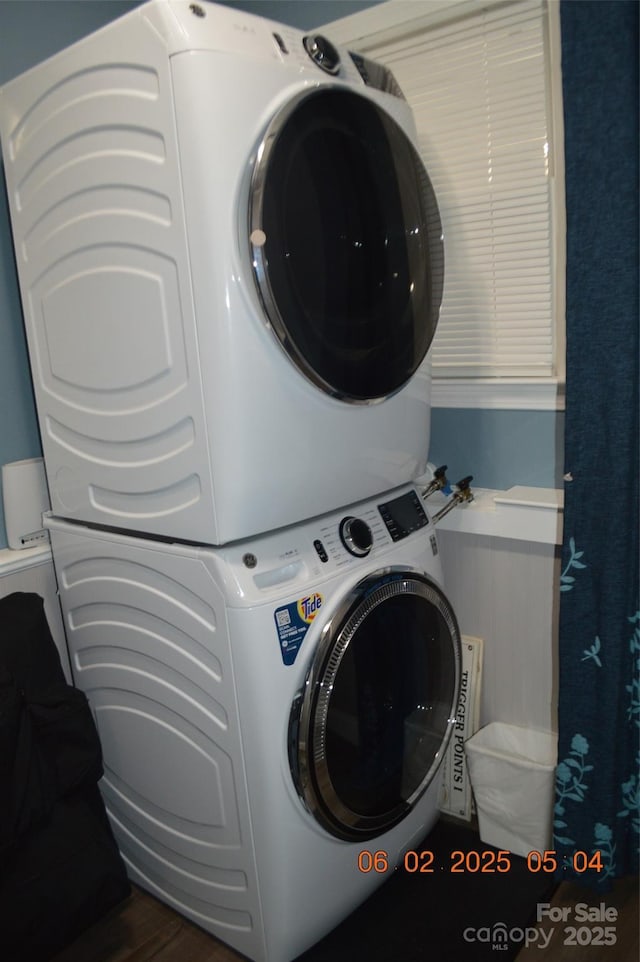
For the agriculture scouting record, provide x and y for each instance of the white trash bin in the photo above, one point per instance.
(512, 775)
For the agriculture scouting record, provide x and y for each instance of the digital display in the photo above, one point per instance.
(403, 515)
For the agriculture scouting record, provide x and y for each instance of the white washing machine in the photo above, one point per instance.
(267, 711)
(231, 266)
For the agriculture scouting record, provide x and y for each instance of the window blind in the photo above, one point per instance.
(479, 89)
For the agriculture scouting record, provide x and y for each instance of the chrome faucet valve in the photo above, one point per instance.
(463, 489)
(439, 482)
(462, 494)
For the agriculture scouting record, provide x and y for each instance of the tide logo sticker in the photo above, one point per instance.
(309, 607)
(293, 622)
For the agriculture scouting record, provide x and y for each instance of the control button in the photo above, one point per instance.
(320, 548)
(322, 52)
(278, 39)
(356, 536)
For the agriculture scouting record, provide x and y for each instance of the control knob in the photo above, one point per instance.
(356, 536)
(322, 52)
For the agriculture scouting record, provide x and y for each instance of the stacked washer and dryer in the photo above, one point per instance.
(231, 267)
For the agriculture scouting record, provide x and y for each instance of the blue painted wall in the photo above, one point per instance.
(500, 448)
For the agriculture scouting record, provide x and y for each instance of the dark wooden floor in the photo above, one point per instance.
(142, 929)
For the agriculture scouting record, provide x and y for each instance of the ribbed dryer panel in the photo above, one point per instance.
(171, 402)
(148, 643)
(91, 160)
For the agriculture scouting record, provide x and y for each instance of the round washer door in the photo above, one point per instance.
(370, 727)
(346, 244)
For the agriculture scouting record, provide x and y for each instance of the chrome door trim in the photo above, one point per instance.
(257, 239)
(307, 727)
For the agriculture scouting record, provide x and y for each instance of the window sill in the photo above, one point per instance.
(519, 514)
(515, 394)
(16, 560)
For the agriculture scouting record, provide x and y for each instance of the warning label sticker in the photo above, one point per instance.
(293, 622)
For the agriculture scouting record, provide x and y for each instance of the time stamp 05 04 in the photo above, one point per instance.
(488, 861)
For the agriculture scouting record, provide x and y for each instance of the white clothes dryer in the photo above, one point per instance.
(267, 711)
(231, 265)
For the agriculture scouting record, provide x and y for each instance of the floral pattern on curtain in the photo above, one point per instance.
(597, 801)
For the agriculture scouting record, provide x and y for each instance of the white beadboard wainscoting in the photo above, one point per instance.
(31, 569)
(501, 561)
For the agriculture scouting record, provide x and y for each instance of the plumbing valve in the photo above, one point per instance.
(439, 482)
(462, 494)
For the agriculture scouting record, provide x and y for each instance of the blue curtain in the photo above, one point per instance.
(597, 783)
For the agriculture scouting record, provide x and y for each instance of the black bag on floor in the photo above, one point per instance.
(60, 869)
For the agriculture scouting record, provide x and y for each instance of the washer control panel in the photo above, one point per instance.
(328, 544)
(403, 515)
(357, 535)
(341, 540)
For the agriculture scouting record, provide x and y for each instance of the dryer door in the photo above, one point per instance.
(346, 244)
(371, 725)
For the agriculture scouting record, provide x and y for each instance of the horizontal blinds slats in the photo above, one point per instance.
(456, 35)
(477, 87)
